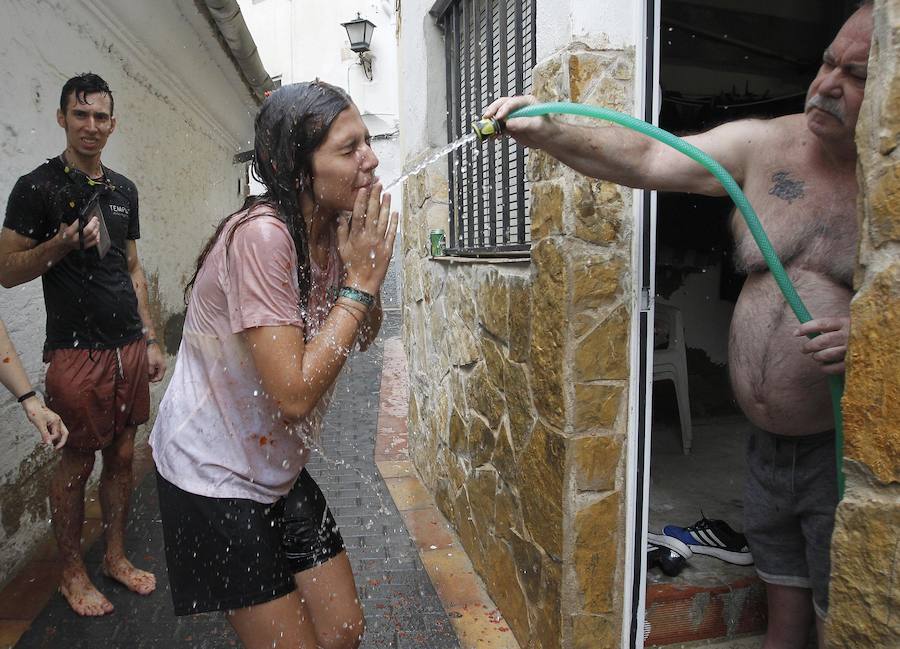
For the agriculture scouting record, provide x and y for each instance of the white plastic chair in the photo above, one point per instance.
(670, 363)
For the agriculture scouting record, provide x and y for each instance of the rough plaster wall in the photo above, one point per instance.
(599, 24)
(389, 167)
(186, 182)
(423, 95)
(320, 47)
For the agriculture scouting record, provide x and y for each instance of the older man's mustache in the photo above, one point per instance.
(829, 104)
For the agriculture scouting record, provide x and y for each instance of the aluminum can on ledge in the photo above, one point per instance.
(438, 243)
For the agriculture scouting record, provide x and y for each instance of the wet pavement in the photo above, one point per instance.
(401, 607)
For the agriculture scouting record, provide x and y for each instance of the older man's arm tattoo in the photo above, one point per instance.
(786, 188)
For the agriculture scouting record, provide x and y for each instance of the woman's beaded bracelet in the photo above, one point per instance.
(356, 295)
(353, 312)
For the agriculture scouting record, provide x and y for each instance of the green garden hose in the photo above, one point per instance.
(835, 383)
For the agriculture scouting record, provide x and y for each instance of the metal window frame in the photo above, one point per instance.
(490, 49)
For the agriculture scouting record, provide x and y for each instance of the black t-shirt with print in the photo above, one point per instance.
(90, 301)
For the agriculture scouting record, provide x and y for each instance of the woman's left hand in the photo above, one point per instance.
(51, 427)
(366, 239)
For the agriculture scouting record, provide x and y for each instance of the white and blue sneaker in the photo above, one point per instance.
(713, 538)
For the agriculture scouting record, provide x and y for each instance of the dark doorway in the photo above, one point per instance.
(720, 61)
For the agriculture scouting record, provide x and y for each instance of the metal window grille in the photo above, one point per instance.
(490, 52)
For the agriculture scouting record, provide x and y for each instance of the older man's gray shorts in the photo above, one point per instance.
(789, 502)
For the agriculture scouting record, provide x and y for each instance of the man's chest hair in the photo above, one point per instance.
(808, 217)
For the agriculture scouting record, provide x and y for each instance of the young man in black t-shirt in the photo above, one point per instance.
(74, 223)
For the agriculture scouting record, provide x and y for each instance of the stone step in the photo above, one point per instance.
(680, 613)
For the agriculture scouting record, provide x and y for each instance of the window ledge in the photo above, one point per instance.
(457, 259)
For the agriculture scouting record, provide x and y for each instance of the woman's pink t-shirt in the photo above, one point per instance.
(218, 433)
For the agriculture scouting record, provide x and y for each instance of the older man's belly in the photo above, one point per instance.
(779, 388)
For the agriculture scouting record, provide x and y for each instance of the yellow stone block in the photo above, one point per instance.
(603, 353)
(547, 201)
(548, 622)
(484, 397)
(519, 405)
(482, 489)
(502, 583)
(871, 403)
(494, 362)
(543, 461)
(596, 406)
(519, 319)
(864, 599)
(599, 210)
(481, 442)
(508, 512)
(493, 306)
(548, 330)
(543, 166)
(595, 462)
(884, 201)
(529, 562)
(596, 280)
(598, 533)
(595, 631)
(547, 80)
(503, 459)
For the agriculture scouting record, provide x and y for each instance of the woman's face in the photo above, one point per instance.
(343, 163)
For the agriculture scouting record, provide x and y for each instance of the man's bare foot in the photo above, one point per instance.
(82, 595)
(134, 579)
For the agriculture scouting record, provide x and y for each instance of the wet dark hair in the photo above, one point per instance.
(290, 126)
(84, 84)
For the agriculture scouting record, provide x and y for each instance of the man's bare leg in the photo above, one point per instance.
(67, 509)
(820, 631)
(790, 617)
(115, 494)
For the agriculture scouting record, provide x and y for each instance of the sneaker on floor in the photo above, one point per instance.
(713, 538)
(670, 542)
(669, 555)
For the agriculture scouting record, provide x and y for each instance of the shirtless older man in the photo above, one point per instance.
(799, 172)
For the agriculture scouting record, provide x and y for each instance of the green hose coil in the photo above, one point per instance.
(835, 383)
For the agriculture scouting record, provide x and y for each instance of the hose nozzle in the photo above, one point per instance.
(486, 129)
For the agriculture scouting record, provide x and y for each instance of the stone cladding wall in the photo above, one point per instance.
(519, 382)
(864, 609)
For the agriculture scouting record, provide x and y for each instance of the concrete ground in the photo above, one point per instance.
(709, 480)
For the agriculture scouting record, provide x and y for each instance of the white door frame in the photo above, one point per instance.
(637, 472)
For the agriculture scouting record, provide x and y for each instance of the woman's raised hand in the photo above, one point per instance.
(366, 239)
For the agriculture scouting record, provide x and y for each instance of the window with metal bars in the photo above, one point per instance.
(490, 52)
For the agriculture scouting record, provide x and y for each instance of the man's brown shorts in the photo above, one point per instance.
(99, 392)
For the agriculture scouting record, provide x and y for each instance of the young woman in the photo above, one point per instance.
(281, 293)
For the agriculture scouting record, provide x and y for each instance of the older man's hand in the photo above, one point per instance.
(829, 347)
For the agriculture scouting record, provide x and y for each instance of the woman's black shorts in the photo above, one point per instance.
(230, 553)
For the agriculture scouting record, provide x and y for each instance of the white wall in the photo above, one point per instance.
(301, 43)
(182, 112)
(596, 23)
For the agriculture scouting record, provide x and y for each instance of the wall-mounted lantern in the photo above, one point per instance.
(359, 31)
